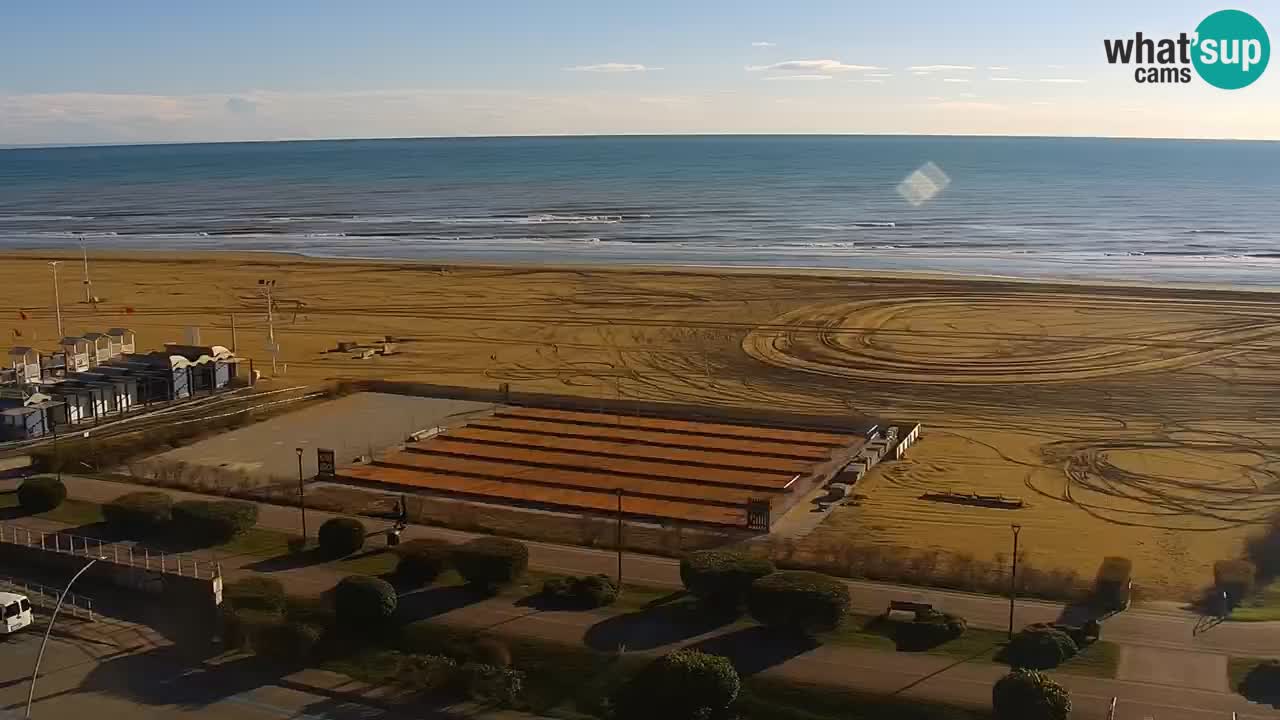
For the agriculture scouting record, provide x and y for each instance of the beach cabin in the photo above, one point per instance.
(122, 341)
(99, 348)
(127, 394)
(76, 352)
(76, 402)
(26, 364)
(212, 367)
(25, 415)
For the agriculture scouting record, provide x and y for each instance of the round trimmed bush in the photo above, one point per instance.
(286, 642)
(340, 537)
(212, 522)
(139, 513)
(363, 599)
(41, 494)
(589, 591)
(422, 560)
(682, 684)
(798, 601)
(1029, 695)
(491, 562)
(1040, 647)
(929, 629)
(721, 579)
(255, 593)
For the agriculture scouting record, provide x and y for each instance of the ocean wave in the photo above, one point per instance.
(41, 218)
(851, 226)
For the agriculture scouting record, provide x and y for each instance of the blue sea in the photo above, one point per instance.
(1127, 210)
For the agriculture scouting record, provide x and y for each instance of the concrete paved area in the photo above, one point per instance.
(351, 426)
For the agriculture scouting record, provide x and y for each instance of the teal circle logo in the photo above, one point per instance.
(1232, 49)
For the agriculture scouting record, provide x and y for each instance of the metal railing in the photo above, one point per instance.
(116, 553)
(45, 596)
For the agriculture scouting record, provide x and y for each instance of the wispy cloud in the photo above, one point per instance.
(1007, 79)
(997, 68)
(1064, 81)
(798, 77)
(612, 67)
(955, 80)
(938, 68)
(763, 43)
(811, 66)
(879, 75)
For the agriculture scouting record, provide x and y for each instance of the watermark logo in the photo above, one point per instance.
(1229, 50)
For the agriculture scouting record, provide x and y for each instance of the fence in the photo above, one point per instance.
(78, 605)
(116, 553)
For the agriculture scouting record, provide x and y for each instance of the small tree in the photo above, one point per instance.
(799, 601)
(491, 562)
(721, 579)
(363, 600)
(1235, 578)
(139, 513)
(340, 536)
(1040, 647)
(683, 685)
(422, 560)
(1029, 695)
(41, 494)
(1111, 588)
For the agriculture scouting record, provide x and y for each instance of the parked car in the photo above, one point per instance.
(15, 612)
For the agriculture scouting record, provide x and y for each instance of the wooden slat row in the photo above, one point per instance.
(695, 427)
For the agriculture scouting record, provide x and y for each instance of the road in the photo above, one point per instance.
(1172, 629)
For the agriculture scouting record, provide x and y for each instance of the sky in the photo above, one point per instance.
(87, 71)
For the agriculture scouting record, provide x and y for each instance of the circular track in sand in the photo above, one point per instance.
(1006, 338)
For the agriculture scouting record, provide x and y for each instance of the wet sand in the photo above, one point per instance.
(1135, 421)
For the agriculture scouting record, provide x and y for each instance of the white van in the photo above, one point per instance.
(15, 611)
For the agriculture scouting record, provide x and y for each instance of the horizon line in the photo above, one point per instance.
(585, 136)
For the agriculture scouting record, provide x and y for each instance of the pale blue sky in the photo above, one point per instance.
(142, 70)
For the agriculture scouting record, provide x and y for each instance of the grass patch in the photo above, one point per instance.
(1101, 660)
(765, 698)
(71, 512)
(1263, 606)
(874, 633)
(1237, 669)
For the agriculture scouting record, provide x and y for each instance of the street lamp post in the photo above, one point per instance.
(57, 298)
(618, 492)
(1013, 576)
(302, 498)
(35, 672)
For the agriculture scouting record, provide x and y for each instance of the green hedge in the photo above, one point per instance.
(685, 684)
(491, 562)
(590, 591)
(139, 513)
(255, 593)
(286, 642)
(798, 601)
(929, 629)
(1029, 695)
(41, 494)
(721, 579)
(363, 600)
(1040, 647)
(340, 537)
(213, 521)
(421, 561)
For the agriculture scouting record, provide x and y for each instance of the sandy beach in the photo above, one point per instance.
(1133, 421)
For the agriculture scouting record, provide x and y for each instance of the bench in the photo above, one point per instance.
(908, 606)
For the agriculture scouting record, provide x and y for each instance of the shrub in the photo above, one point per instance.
(359, 599)
(239, 626)
(430, 674)
(1262, 682)
(286, 642)
(929, 629)
(798, 601)
(491, 651)
(1029, 695)
(138, 513)
(721, 579)
(316, 612)
(590, 591)
(1040, 647)
(255, 593)
(339, 537)
(490, 562)
(212, 522)
(1235, 578)
(496, 685)
(1111, 587)
(421, 561)
(41, 494)
(682, 685)
(431, 638)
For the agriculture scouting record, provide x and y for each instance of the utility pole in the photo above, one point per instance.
(1013, 576)
(618, 491)
(57, 298)
(233, 333)
(302, 497)
(88, 295)
(268, 286)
